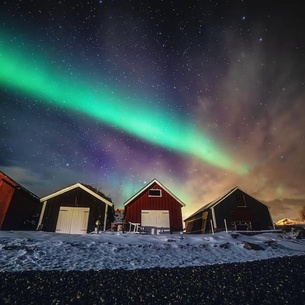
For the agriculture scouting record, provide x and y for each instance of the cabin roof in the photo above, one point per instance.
(219, 200)
(90, 190)
(147, 187)
(15, 184)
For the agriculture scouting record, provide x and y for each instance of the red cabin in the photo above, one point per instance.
(155, 206)
(19, 208)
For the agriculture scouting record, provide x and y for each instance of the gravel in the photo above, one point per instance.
(271, 281)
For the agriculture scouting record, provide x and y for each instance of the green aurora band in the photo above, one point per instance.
(26, 71)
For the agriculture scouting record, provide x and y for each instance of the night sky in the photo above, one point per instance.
(201, 95)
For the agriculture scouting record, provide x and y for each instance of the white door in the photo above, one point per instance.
(64, 220)
(155, 218)
(72, 220)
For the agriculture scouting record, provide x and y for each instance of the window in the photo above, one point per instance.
(154, 193)
(241, 201)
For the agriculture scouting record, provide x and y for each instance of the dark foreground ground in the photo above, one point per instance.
(274, 281)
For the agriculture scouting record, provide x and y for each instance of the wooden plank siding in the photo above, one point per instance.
(76, 197)
(19, 208)
(146, 202)
(6, 194)
(237, 209)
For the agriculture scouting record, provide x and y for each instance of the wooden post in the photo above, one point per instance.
(105, 218)
(226, 225)
(212, 226)
(41, 215)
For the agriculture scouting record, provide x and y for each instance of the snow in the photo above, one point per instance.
(24, 250)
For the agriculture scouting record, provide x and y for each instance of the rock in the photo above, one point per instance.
(251, 246)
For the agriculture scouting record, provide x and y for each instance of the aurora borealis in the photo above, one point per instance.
(203, 96)
(20, 73)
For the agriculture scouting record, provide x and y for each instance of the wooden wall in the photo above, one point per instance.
(231, 209)
(19, 208)
(76, 198)
(144, 202)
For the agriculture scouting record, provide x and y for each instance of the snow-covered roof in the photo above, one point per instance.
(147, 187)
(74, 186)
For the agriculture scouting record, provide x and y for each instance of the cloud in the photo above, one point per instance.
(260, 121)
(291, 207)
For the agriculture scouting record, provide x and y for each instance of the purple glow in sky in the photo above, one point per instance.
(231, 73)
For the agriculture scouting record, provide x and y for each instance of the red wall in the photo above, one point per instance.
(166, 202)
(7, 188)
(19, 208)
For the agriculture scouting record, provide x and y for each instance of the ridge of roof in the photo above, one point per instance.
(147, 186)
(19, 185)
(214, 202)
(73, 186)
(95, 190)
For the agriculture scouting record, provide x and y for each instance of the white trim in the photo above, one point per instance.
(211, 222)
(41, 214)
(69, 188)
(226, 227)
(214, 218)
(148, 186)
(105, 218)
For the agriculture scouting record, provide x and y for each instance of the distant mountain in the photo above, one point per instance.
(289, 222)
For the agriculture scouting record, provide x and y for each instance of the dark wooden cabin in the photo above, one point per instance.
(19, 208)
(76, 210)
(155, 206)
(236, 210)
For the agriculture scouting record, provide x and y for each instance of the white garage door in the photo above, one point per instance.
(72, 220)
(155, 218)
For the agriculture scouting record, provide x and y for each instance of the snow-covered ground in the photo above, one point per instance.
(20, 251)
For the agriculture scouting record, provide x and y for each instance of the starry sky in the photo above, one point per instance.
(201, 95)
